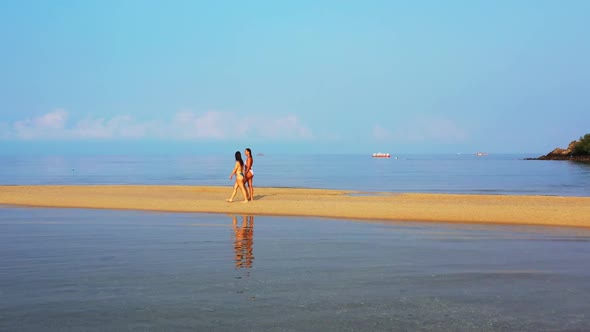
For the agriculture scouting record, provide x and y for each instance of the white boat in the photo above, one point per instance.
(381, 155)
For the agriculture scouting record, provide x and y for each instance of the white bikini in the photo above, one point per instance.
(251, 170)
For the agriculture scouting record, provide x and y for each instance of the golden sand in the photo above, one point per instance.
(498, 209)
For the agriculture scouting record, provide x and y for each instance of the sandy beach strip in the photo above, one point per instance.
(497, 209)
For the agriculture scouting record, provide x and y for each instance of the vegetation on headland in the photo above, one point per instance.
(582, 148)
(576, 151)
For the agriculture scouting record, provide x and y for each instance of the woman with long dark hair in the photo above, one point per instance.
(239, 173)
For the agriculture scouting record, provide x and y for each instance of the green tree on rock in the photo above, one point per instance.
(583, 147)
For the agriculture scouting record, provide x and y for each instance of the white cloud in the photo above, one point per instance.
(286, 127)
(184, 125)
(49, 125)
(116, 127)
(188, 125)
(227, 125)
(381, 134)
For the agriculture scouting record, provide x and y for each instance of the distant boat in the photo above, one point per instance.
(480, 154)
(260, 154)
(381, 155)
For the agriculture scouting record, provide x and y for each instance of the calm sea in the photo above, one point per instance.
(460, 173)
(102, 270)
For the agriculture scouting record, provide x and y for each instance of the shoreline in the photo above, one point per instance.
(568, 211)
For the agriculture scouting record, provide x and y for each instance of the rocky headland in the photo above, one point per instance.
(564, 154)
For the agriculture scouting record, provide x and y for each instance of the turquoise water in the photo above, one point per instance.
(493, 174)
(102, 270)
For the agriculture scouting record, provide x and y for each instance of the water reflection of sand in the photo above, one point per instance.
(499, 209)
(243, 241)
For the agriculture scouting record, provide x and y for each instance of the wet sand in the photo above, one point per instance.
(497, 209)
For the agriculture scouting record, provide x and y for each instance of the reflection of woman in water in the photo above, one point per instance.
(238, 172)
(244, 240)
(249, 173)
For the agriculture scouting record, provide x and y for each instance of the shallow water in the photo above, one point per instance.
(97, 270)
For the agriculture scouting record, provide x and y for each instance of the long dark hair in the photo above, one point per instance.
(250, 153)
(239, 158)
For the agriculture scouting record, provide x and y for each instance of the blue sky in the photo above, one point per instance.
(294, 76)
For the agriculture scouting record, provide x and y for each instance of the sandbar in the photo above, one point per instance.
(462, 208)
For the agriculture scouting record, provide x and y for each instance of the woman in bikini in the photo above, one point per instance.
(249, 173)
(238, 167)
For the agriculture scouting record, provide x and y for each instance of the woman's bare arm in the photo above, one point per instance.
(248, 165)
(236, 168)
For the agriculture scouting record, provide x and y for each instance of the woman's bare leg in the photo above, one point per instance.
(246, 186)
(233, 194)
(241, 184)
(251, 188)
(248, 183)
